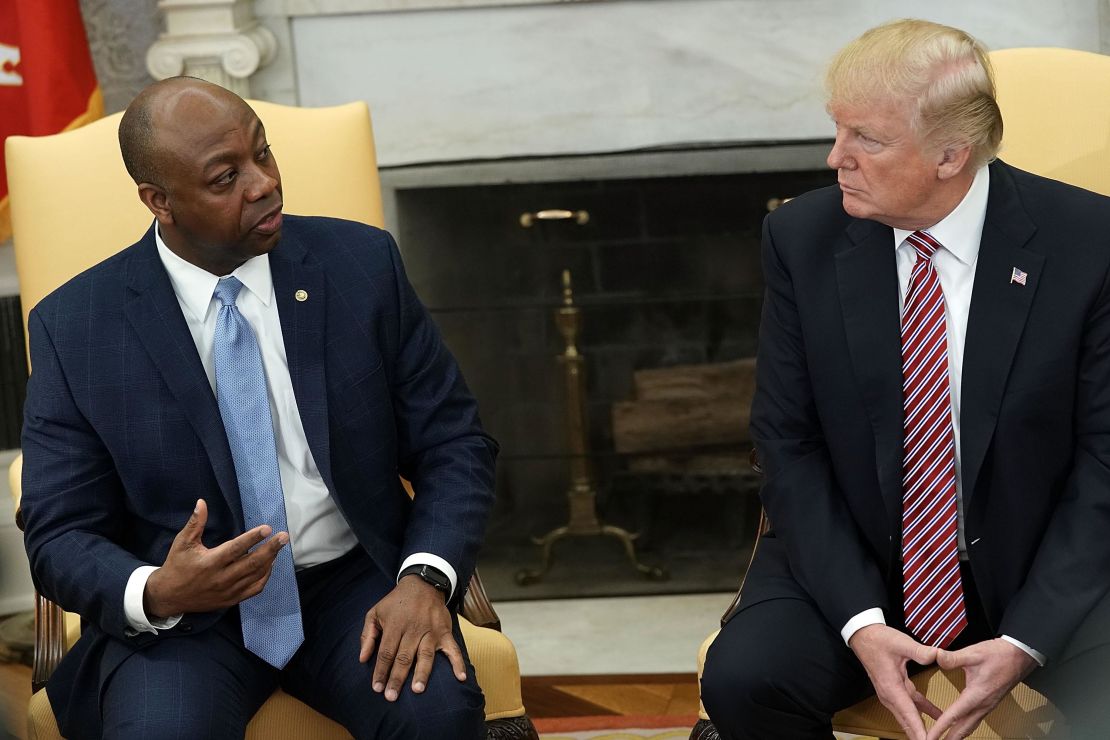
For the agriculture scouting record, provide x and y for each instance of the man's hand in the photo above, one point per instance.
(992, 668)
(197, 579)
(410, 623)
(884, 652)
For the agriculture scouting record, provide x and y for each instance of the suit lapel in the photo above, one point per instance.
(867, 278)
(999, 309)
(155, 315)
(299, 288)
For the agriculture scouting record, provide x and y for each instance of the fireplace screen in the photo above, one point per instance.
(666, 285)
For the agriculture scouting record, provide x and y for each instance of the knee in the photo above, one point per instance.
(425, 720)
(752, 687)
(734, 687)
(448, 709)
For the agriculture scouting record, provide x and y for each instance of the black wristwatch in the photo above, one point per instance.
(433, 576)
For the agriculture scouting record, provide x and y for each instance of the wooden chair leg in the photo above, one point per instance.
(511, 728)
(704, 730)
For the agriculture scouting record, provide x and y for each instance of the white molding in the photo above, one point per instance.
(293, 8)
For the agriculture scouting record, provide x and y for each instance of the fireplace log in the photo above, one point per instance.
(675, 424)
(721, 380)
(686, 407)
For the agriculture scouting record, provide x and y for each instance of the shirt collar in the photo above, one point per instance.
(961, 230)
(194, 285)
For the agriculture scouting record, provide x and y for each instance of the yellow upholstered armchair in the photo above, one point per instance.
(1057, 124)
(74, 205)
(1056, 113)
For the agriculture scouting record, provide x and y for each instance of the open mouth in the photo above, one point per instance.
(270, 223)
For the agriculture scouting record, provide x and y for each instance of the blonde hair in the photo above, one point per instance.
(942, 72)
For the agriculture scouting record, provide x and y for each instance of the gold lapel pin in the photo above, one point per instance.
(301, 295)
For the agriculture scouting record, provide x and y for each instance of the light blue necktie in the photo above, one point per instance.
(271, 620)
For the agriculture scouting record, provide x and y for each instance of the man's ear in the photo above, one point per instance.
(953, 159)
(154, 197)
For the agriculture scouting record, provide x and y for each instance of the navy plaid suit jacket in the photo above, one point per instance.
(122, 432)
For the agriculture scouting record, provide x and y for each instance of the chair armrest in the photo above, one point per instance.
(476, 606)
(50, 640)
(50, 623)
(764, 528)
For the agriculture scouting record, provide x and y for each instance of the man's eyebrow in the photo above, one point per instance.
(217, 158)
(227, 154)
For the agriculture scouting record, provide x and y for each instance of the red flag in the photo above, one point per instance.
(47, 81)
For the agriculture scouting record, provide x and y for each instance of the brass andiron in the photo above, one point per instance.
(582, 493)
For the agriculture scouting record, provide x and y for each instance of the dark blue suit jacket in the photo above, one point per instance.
(122, 432)
(827, 418)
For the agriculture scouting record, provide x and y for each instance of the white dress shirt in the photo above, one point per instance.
(959, 234)
(317, 530)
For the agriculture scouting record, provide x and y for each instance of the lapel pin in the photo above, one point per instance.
(302, 295)
(1018, 276)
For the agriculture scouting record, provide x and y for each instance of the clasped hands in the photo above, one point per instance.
(407, 626)
(992, 668)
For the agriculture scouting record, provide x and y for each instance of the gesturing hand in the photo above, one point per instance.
(410, 623)
(197, 579)
(884, 652)
(992, 668)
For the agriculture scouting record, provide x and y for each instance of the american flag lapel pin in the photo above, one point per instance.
(1019, 276)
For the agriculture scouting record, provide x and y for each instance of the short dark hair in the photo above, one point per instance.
(137, 141)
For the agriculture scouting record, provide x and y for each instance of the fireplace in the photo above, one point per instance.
(666, 274)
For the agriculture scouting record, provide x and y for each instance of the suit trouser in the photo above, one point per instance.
(208, 685)
(779, 671)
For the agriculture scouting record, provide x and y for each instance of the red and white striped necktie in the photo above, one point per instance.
(933, 593)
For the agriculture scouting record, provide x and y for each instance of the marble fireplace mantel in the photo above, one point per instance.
(470, 80)
(340, 7)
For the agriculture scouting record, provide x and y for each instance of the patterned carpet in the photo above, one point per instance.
(679, 733)
(613, 727)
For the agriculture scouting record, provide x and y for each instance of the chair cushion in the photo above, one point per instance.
(41, 724)
(498, 669)
(284, 716)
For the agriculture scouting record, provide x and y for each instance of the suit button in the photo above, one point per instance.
(186, 627)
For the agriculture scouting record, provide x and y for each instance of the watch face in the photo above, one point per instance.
(434, 577)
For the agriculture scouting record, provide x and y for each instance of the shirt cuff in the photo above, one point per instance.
(133, 609)
(1034, 654)
(865, 618)
(426, 558)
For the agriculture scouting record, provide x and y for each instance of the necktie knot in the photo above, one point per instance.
(227, 290)
(923, 243)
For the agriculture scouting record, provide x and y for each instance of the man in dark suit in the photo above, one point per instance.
(932, 416)
(215, 427)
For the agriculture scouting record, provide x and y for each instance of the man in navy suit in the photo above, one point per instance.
(134, 492)
(932, 414)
